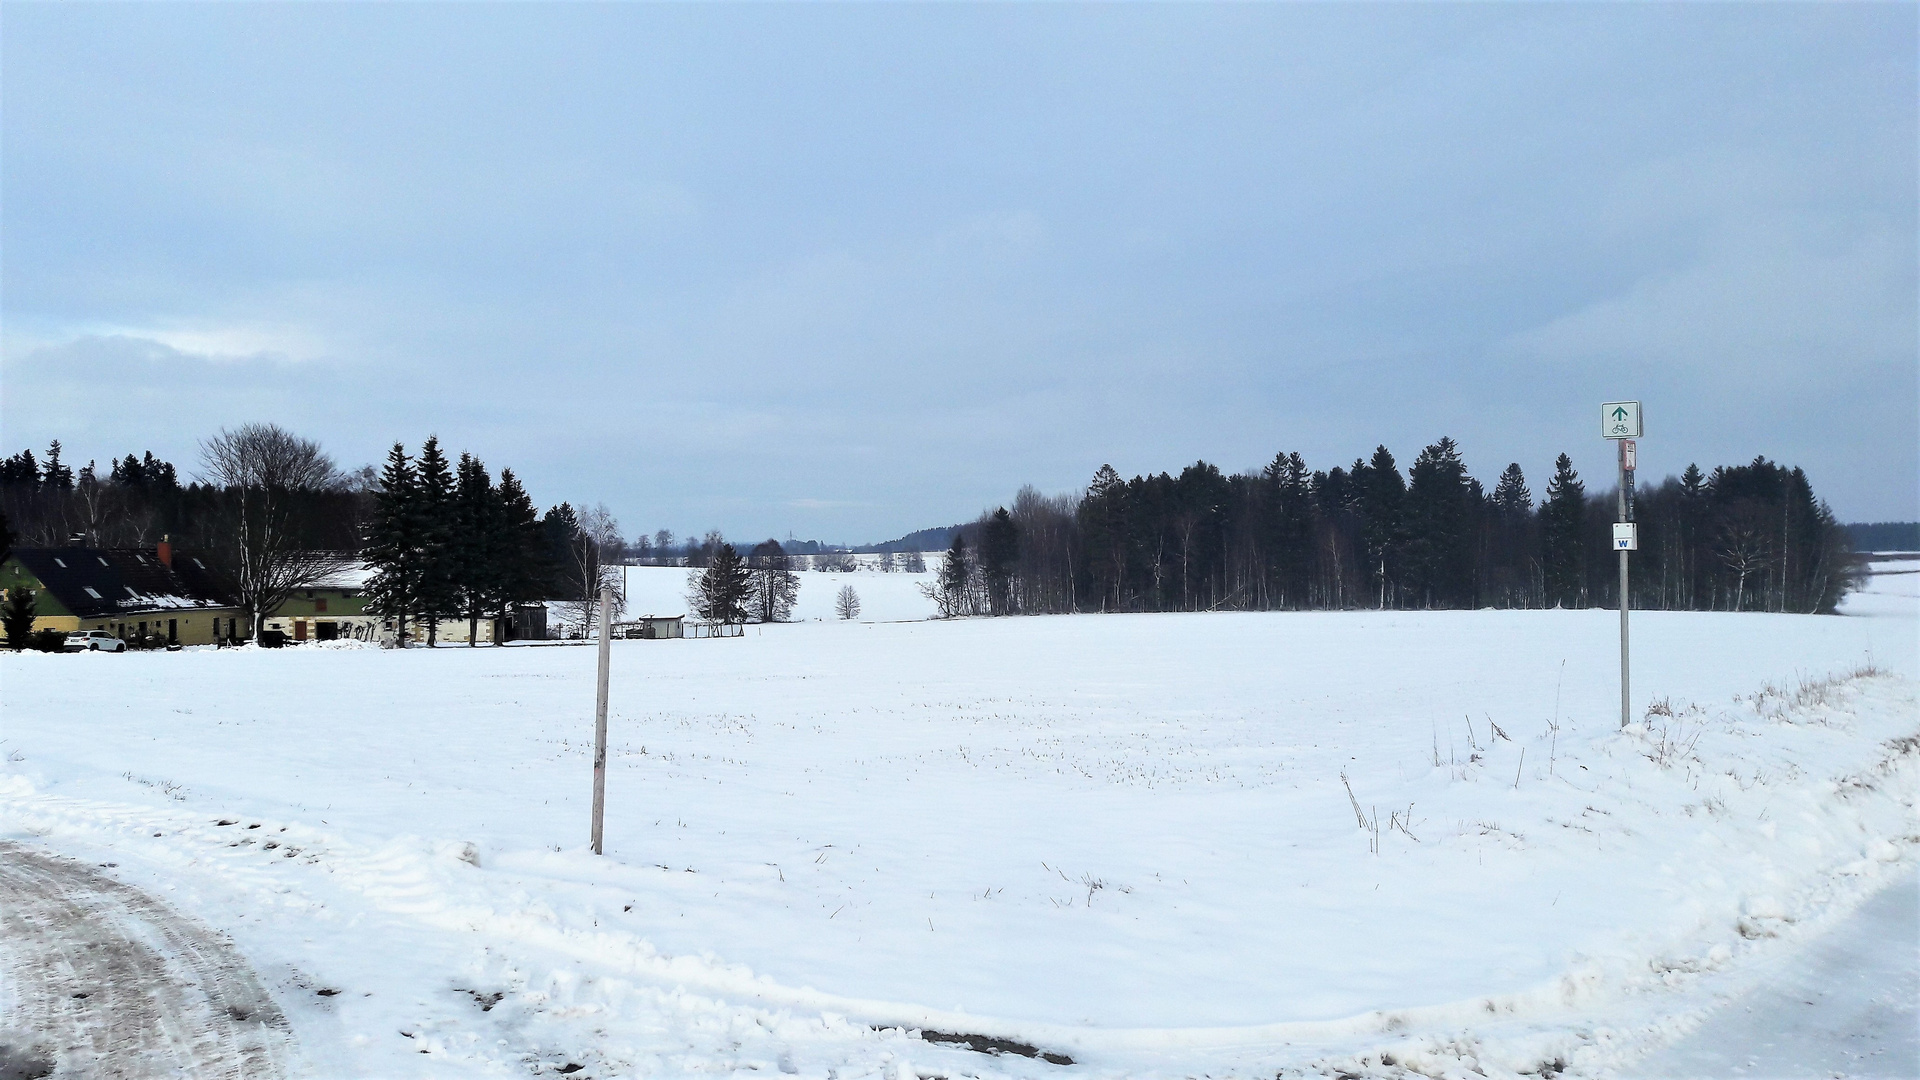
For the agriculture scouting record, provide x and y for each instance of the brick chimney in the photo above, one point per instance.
(164, 552)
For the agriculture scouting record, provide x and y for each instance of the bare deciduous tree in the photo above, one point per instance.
(774, 588)
(1743, 543)
(263, 471)
(846, 602)
(597, 538)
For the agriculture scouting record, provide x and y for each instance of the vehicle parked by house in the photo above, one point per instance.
(93, 641)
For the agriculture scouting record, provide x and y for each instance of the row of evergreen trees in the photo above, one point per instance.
(1742, 538)
(23, 470)
(139, 498)
(445, 541)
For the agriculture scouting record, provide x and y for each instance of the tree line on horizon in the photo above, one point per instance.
(271, 513)
(1748, 537)
(446, 540)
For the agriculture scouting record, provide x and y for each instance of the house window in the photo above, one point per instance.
(88, 589)
(320, 604)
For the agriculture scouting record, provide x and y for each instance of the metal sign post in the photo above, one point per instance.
(1620, 421)
(600, 722)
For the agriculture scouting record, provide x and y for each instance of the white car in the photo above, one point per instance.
(93, 641)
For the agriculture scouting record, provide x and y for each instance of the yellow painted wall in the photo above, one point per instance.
(204, 626)
(454, 630)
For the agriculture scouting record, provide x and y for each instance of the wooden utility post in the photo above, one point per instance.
(600, 720)
(1620, 421)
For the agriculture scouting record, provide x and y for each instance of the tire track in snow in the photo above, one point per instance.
(102, 980)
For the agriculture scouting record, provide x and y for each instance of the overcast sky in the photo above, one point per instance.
(848, 271)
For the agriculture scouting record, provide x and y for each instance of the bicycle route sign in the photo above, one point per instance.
(1620, 420)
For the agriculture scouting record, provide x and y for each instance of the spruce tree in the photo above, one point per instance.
(1691, 511)
(721, 590)
(519, 567)
(1440, 506)
(21, 470)
(557, 531)
(476, 533)
(1381, 497)
(16, 617)
(392, 548)
(1511, 575)
(56, 475)
(999, 552)
(1103, 522)
(1563, 527)
(956, 580)
(1511, 499)
(438, 595)
(1289, 529)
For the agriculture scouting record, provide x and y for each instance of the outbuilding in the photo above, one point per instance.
(653, 627)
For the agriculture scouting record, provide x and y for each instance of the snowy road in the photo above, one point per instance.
(102, 980)
(1848, 1005)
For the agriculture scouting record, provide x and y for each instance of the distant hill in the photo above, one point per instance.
(923, 540)
(1884, 536)
(936, 539)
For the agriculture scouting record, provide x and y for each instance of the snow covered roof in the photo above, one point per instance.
(350, 575)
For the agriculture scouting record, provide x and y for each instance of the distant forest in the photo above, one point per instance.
(1750, 537)
(1885, 536)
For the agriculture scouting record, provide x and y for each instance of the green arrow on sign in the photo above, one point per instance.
(1619, 412)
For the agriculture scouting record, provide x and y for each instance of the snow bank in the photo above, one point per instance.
(1156, 844)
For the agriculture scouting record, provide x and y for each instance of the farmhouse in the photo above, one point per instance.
(133, 593)
(332, 609)
(335, 608)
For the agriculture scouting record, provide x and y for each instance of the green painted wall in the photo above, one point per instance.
(45, 604)
(305, 604)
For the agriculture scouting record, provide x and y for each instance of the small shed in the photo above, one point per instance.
(529, 622)
(654, 627)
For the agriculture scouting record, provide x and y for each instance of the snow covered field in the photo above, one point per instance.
(884, 597)
(1127, 840)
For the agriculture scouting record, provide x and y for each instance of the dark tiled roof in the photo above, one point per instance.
(200, 579)
(95, 583)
